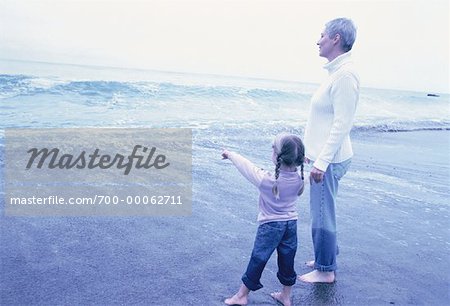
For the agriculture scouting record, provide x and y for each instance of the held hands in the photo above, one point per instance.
(316, 174)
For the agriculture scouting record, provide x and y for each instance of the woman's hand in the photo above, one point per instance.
(316, 174)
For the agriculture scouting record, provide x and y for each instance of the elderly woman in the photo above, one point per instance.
(327, 142)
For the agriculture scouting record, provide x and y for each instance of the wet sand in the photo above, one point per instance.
(393, 214)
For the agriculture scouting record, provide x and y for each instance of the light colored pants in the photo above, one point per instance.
(323, 216)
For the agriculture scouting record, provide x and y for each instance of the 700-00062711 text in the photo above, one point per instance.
(99, 200)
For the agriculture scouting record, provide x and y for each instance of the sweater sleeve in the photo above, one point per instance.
(344, 96)
(247, 169)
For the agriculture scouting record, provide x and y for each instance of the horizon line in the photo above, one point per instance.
(208, 74)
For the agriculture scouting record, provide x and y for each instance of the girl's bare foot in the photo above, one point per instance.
(236, 300)
(310, 263)
(279, 297)
(283, 297)
(317, 277)
(240, 298)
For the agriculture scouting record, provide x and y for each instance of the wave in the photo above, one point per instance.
(25, 102)
(266, 128)
(12, 86)
(403, 126)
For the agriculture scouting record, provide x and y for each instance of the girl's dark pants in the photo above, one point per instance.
(279, 235)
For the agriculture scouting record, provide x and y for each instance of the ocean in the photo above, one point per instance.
(241, 114)
(51, 95)
(396, 193)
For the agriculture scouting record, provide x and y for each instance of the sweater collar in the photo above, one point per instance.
(338, 62)
(288, 173)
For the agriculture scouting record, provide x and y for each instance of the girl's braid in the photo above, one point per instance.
(275, 190)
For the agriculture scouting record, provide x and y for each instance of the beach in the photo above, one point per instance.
(114, 116)
(392, 220)
(392, 211)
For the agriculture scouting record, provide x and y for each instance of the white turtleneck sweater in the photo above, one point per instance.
(332, 110)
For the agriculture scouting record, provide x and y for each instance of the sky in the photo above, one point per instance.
(401, 44)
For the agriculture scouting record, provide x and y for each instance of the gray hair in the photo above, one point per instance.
(346, 30)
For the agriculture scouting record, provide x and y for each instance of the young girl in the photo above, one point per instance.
(277, 216)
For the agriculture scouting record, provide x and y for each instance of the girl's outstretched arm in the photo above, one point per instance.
(246, 168)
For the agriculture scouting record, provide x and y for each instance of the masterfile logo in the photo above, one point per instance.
(53, 159)
(113, 172)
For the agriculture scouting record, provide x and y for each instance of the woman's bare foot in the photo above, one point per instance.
(237, 300)
(310, 263)
(317, 276)
(284, 300)
(240, 298)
